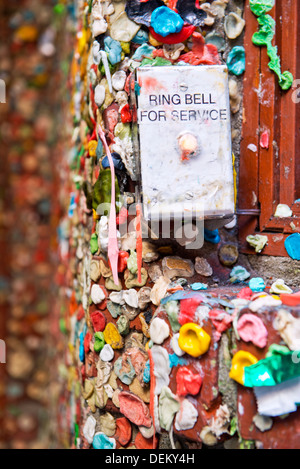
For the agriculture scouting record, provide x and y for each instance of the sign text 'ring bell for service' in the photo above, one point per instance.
(185, 142)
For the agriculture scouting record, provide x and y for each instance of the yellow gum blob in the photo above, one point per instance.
(193, 339)
(92, 147)
(112, 336)
(240, 360)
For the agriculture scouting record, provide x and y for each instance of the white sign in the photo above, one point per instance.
(185, 141)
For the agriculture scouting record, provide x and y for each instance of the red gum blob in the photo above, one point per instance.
(174, 38)
(252, 329)
(127, 84)
(111, 117)
(73, 305)
(134, 409)
(201, 53)
(122, 217)
(245, 293)
(290, 299)
(98, 321)
(123, 432)
(122, 264)
(143, 443)
(83, 373)
(103, 305)
(264, 139)
(160, 53)
(221, 320)
(122, 261)
(81, 313)
(172, 4)
(187, 310)
(187, 382)
(87, 341)
(126, 115)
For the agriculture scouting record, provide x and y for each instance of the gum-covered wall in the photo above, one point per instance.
(114, 341)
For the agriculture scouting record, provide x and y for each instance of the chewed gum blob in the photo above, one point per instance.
(240, 360)
(188, 145)
(193, 340)
(252, 329)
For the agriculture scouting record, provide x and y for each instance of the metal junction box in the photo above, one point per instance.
(185, 142)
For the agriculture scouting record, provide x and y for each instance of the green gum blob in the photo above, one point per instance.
(112, 68)
(157, 62)
(276, 368)
(123, 325)
(62, 326)
(168, 407)
(102, 191)
(114, 309)
(172, 309)
(94, 243)
(266, 31)
(132, 262)
(276, 349)
(122, 131)
(99, 342)
(257, 241)
(258, 7)
(236, 61)
(264, 37)
(286, 80)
